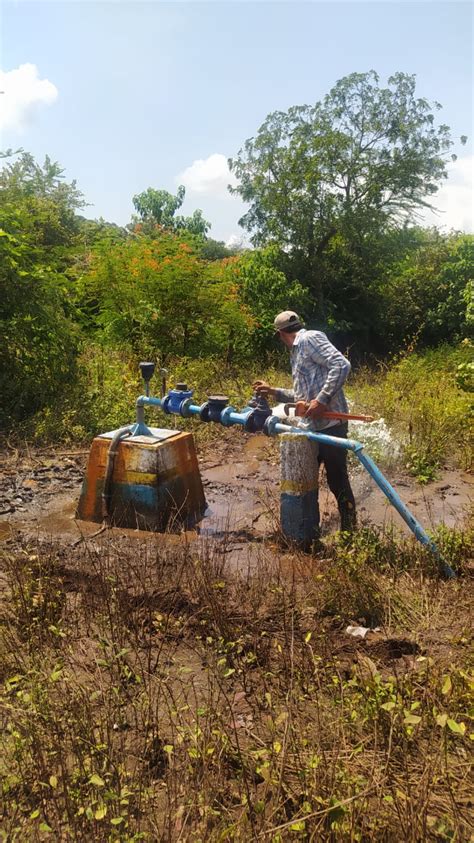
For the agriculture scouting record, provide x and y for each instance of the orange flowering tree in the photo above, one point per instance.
(157, 296)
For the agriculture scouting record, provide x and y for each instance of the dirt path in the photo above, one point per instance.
(39, 492)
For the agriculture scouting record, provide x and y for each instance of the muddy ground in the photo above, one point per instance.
(39, 490)
(171, 627)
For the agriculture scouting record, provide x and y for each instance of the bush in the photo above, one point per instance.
(108, 383)
(420, 398)
(39, 340)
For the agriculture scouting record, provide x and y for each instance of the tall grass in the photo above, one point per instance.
(421, 398)
(109, 384)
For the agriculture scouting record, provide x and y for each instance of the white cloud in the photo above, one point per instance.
(238, 242)
(455, 198)
(23, 94)
(208, 176)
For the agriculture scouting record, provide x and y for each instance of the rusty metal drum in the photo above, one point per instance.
(156, 483)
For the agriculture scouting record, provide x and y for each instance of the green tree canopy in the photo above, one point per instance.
(428, 293)
(39, 340)
(264, 289)
(156, 294)
(363, 158)
(159, 206)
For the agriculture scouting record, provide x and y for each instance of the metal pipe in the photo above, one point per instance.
(229, 416)
(109, 470)
(380, 479)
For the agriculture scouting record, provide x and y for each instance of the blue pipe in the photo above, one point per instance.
(229, 416)
(273, 427)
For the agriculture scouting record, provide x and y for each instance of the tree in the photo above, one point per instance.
(264, 290)
(364, 158)
(155, 294)
(39, 341)
(215, 250)
(159, 207)
(427, 293)
(51, 202)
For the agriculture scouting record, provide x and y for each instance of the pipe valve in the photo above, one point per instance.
(213, 407)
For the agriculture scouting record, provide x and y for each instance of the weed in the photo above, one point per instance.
(159, 696)
(422, 399)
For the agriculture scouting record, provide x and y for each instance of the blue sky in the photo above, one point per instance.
(127, 95)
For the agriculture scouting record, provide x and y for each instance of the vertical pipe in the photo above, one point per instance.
(299, 470)
(381, 481)
(109, 470)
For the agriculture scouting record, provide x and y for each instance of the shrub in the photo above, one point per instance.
(420, 398)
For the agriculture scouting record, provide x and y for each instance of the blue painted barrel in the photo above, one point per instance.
(299, 469)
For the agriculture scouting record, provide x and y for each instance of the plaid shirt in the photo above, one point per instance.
(319, 371)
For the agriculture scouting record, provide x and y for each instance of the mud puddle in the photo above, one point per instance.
(447, 500)
(38, 497)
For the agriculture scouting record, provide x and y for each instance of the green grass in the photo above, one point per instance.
(422, 399)
(110, 382)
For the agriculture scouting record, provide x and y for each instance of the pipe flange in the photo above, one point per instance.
(251, 423)
(204, 412)
(165, 405)
(269, 428)
(256, 420)
(184, 408)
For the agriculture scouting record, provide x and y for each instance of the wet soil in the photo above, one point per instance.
(39, 492)
(170, 617)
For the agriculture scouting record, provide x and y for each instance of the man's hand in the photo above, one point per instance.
(315, 410)
(264, 389)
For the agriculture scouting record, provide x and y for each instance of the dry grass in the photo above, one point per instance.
(150, 693)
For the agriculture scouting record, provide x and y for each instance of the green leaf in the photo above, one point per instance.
(441, 720)
(447, 686)
(388, 706)
(457, 728)
(96, 780)
(411, 719)
(101, 812)
(56, 673)
(116, 820)
(229, 672)
(53, 780)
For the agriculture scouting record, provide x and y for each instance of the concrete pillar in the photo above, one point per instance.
(299, 513)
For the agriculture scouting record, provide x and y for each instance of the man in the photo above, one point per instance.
(319, 372)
